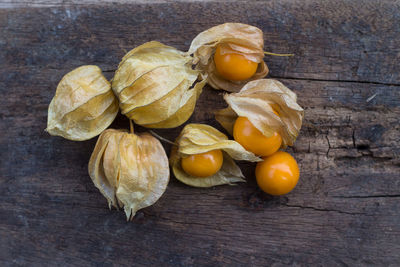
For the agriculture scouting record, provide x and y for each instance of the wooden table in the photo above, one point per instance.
(345, 210)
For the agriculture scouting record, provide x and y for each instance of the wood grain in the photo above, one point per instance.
(344, 211)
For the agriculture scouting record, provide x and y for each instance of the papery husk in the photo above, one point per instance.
(255, 101)
(84, 105)
(157, 86)
(200, 138)
(131, 171)
(238, 38)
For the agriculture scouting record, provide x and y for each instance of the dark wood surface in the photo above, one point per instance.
(345, 210)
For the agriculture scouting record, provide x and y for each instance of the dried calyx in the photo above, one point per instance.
(269, 105)
(237, 38)
(200, 138)
(83, 106)
(130, 170)
(156, 85)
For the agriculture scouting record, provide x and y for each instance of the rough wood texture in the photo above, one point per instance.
(345, 210)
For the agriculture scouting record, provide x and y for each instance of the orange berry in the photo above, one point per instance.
(278, 174)
(203, 164)
(246, 134)
(234, 66)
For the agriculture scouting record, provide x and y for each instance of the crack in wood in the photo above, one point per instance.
(158, 218)
(329, 146)
(327, 210)
(366, 155)
(300, 79)
(369, 196)
(108, 70)
(331, 80)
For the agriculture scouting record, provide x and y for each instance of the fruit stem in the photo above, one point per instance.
(131, 126)
(279, 55)
(162, 138)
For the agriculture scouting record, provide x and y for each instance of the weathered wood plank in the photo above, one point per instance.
(334, 203)
(338, 40)
(343, 212)
(63, 3)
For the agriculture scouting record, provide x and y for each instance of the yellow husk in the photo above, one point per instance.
(200, 138)
(254, 102)
(234, 37)
(153, 83)
(131, 171)
(83, 106)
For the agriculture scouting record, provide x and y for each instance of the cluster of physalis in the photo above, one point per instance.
(157, 86)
